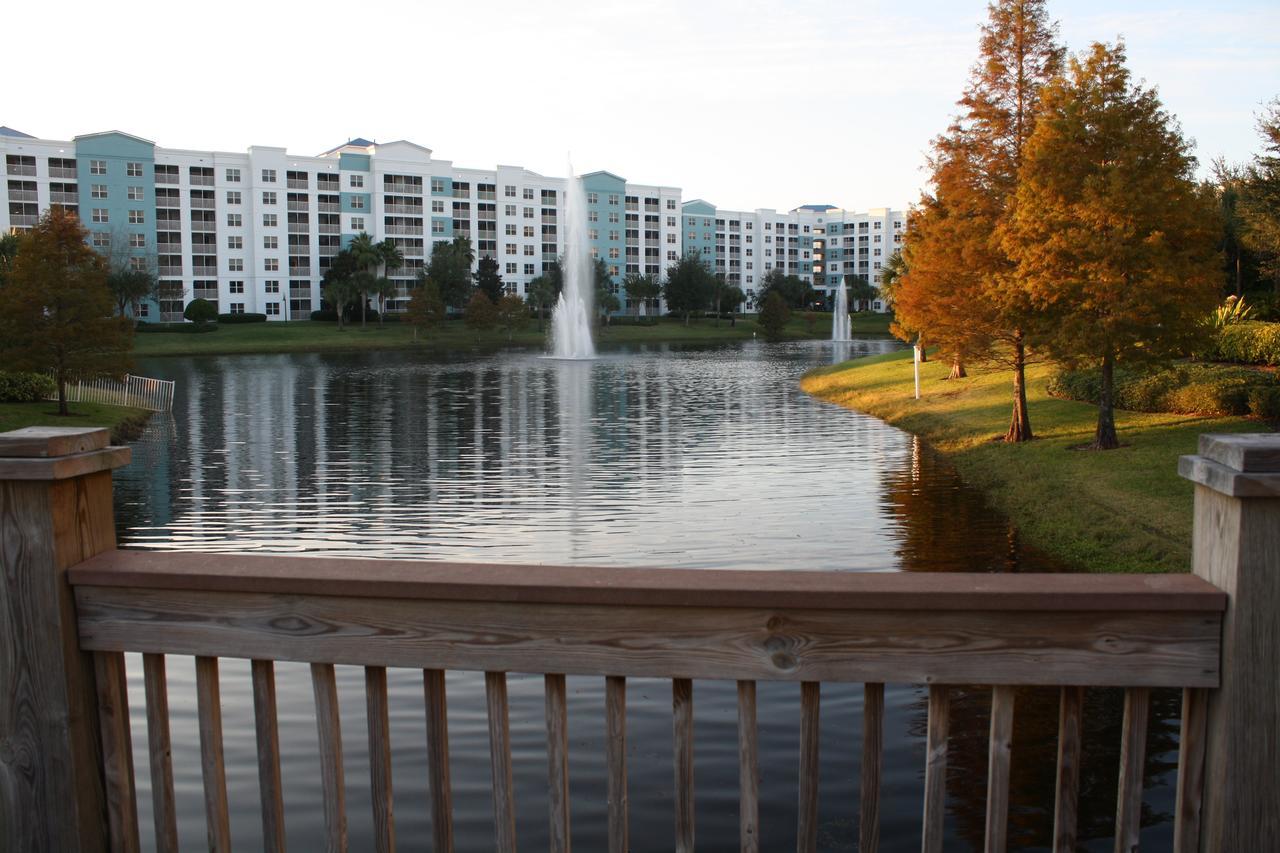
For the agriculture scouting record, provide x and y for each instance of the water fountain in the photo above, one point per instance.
(841, 325)
(571, 319)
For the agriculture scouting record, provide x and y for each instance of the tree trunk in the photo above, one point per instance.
(957, 369)
(1020, 425)
(920, 346)
(62, 394)
(363, 299)
(717, 313)
(1105, 437)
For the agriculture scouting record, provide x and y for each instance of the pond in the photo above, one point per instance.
(671, 456)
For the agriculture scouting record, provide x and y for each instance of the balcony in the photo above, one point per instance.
(169, 271)
(327, 207)
(301, 206)
(330, 229)
(20, 220)
(202, 203)
(20, 169)
(202, 180)
(70, 172)
(205, 227)
(168, 201)
(402, 189)
(204, 270)
(301, 272)
(299, 228)
(411, 209)
(297, 183)
(403, 229)
(161, 177)
(22, 195)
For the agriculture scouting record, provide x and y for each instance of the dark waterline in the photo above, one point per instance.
(672, 456)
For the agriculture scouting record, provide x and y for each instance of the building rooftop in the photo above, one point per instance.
(9, 131)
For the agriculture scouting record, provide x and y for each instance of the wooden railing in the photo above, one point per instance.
(74, 605)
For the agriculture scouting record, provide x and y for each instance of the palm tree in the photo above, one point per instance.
(383, 288)
(367, 257)
(391, 258)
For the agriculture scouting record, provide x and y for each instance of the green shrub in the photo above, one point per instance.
(1191, 389)
(1264, 401)
(25, 387)
(242, 318)
(200, 311)
(1247, 343)
(630, 320)
(179, 328)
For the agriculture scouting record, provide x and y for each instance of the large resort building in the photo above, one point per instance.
(254, 232)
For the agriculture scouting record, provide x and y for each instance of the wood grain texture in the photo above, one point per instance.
(615, 714)
(1191, 743)
(1133, 755)
(266, 726)
(433, 687)
(1237, 548)
(1252, 452)
(64, 467)
(748, 770)
(1067, 787)
(1177, 649)
(872, 749)
(332, 780)
(213, 771)
(117, 751)
(52, 441)
(48, 702)
(557, 762)
(163, 806)
(807, 820)
(935, 768)
(650, 587)
(378, 716)
(1001, 745)
(682, 736)
(504, 795)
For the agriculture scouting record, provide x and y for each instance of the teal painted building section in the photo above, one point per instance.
(353, 162)
(606, 194)
(360, 204)
(698, 231)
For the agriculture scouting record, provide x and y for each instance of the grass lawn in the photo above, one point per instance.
(1124, 510)
(125, 423)
(308, 336)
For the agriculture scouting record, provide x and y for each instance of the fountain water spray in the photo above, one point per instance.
(571, 319)
(841, 325)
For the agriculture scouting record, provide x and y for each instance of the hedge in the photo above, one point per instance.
(1247, 343)
(242, 318)
(25, 387)
(181, 328)
(1191, 389)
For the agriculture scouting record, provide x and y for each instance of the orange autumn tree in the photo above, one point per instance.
(1114, 238)
(956, 291)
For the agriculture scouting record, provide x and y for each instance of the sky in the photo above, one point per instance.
(746, 104)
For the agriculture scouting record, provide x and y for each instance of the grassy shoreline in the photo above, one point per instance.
(308, 336)
(124, 422)
(1124, 510)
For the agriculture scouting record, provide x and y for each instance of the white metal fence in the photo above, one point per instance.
(140, 392)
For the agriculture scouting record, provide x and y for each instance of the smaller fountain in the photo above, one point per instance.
(571, 319)
(841, 325)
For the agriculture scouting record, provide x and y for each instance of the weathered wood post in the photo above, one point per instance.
(1237, 549)
(55, 511)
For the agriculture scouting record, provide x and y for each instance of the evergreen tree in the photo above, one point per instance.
(774, 315)
(450, 268)
(1260, 199)
(480, 314)
(426, 309)
(488, 279)
(689, 285)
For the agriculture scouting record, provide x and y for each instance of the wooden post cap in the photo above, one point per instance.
(57, 453)
(1239, 465)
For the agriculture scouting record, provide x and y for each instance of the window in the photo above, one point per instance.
(357, 202)
(235, 265)
(237, 307)
(510, 192)
(613, 254)
(271, 242)
(272, 309)
(437, 185)
(613, 199)
(144, 310)
(613, 235)
(234, 220)
(269, 220)
(357, 181)
(136, 217)
(528, 231)
(593, 216)
(233, 197)
(100, 215)
(97, 191)
(133, 170)
(593, 234)
(271, 285)
(528, 250)
(593, 198)
(138, 241)
(613, 219)
(511, 248)
(510, 229)
(437, 205)
(271, 264)
(268, 176)
(268, 198)
(235, 242)
(233, 176)
(527, 194)
(512, 268)
(357, 224)
(528, 269)
(671, 238)
(437, 226)
(671, 204)
(135, 194)
(235, 287)
(509, 210)
(97, 167)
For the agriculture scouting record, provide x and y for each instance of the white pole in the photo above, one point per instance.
(915, 350)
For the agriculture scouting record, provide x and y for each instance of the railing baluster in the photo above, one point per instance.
(1067, 789)
(271, 792)
(558, 762)
(1133, 751)
(504, 805)
(160, 750)
(748, 770)
(1191, 743)
(379, 719)
(438, 760)
(998, 768)
(872, 747)
(935, 768)
(117, 751)
(682, 731)
(209, 702)
(615, 702)
(807, 824)
(329, 730)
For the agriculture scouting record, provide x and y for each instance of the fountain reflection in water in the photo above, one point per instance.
(841, 325)
(571, 320)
